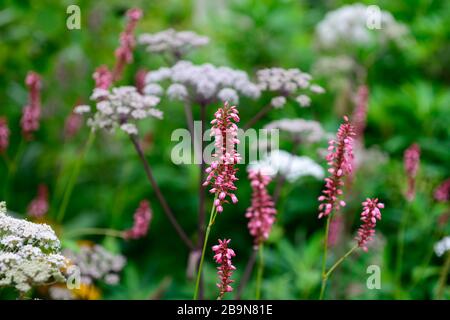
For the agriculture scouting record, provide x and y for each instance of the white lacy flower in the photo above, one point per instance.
(278, 102)
(347, 27)
(121, 107)
(204, 83)
(173, 42)
(441, 247)
(306, 130)
(29, 253)
(153, 89)
(82, 109)
(303, 100)
(228, 95)
(292, 167)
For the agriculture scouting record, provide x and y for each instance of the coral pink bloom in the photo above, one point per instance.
(124, 53)
(262, 211)
(442, 193)
(222, 171)
(103, 77)
(339, 159)
(142, 219)
(371, 213)
(4, 135)
(222, 256)
(32, 112)
(411, 161)
(38, 207)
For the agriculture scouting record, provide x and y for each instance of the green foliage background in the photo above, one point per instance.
(409, 102)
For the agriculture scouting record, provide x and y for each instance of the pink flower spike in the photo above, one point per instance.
(32, 112)
(262, 211)
(340, 159)
(4, 135)
(142, 219)
(38, 207)
(222, 172)
(442, 193)
(223, 256)
(139, 80)
(73, 124)
(103, 77)
(369, 216)
(411, 161)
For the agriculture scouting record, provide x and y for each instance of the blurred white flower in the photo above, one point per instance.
(303, 100)
(278, 102)
(228, 95)
(82, 109)
(292, 167)
(441, 247)
(305, 130)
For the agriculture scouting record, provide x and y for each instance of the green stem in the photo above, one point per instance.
(340, 261)
(443, 277)
(212, 218)
(95, 232)
(74, 177)
(324, 258)
(401, 248)
(260, 271)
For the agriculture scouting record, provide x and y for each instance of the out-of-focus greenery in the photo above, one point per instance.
(409, 102)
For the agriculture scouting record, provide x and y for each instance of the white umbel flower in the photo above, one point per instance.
(441, 247)
(290, 166)
(29, 253)
(305, 130)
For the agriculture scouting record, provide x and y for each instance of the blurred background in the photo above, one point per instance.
(408, 103)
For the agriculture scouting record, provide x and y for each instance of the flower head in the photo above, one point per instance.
(142, 219)
(262, 211)
(32, 112)
(223, 256)
(442, 246)
(73, 124)
(339, 159)
(38, 207)
(4, 135)
(442, 193)
(103, 77)
(411, 161)
(371, 213)
(222, 171)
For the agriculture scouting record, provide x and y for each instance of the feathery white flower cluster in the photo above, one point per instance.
(97, 264)
(290, 166)
(347, 27)
(119, 107)
(29, 253)
(204, 83)
(441, 247)
(287, 83)
(306, 130)
(173, 42)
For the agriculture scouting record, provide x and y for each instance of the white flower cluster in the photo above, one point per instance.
(120, 107)
(347, 27)
(29, 253)
(173, 42)
(306, 130)
(97, 264)
(290, 166)
(287, 83)
(202, 83)
(441, 247)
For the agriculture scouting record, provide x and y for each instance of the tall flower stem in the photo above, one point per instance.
(248, 271)
(74, 177)
(260, 271)
(443, 277)
(258, 116)
(326, 275)
(12, 167)
(212, 218)
(324, 258)
(159, 194)
(401, 248)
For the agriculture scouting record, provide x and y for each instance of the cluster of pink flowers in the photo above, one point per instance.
(142, 218)
(222, 171)
(359, 117)
(371, 213)
(222, 256)
(124, 53)
(411, 161)
(4, 135)
(38, 207)
(339, 158)
(442, 193)
(103, 77)
(32, 111)
(262, 211)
